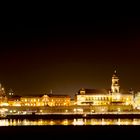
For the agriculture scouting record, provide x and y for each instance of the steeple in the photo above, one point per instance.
(51, 91)
(2, 90)
(115, 83)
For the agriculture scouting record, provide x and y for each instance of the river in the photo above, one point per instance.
(77, 121)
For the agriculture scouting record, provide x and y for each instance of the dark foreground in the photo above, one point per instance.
(71, 132)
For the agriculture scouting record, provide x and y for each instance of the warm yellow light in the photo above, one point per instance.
(4, 104)
(119, 109)
(118, 97)
(17, 104)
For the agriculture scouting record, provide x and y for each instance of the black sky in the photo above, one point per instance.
(65, 54)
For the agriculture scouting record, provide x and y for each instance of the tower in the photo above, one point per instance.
(2, 90)
(10, 93)
(115, 88)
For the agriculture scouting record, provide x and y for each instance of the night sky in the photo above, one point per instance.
(66, 54)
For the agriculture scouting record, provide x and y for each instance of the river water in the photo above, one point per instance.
(79, 121)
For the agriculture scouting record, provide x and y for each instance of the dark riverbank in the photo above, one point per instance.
(73, 116)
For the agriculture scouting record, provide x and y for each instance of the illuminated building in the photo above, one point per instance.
(137, 101)
(34, 100)
(10, 93)
(2, 91)
(14, 100)
(115, 88)
(41, 100)
(59, 100)
(102, 100)
(3, 98)
(93, 97)
(72, 102)
(113, 96)
(120, 96)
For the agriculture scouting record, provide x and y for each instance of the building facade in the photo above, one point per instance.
(93, 97)
(109, 97)
(120, 96)
(45, 100)
(59, 100)
(41, 100)
(137, 101)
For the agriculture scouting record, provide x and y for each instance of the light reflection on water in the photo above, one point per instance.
(80, 121)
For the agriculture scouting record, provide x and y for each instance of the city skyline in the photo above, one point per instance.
(66, 56)
(71, 95)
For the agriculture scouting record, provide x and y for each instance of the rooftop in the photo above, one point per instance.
(94, 91)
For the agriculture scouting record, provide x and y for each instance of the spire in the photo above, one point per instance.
(115, 74)
(115, 70)
(51, 91)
